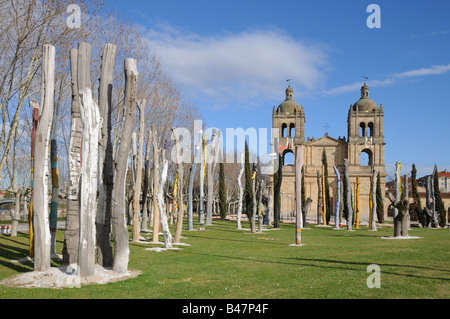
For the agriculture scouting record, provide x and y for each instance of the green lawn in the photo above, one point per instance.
(223, 262)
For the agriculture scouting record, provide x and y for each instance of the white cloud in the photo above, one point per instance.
(390, 79)
(231, 66)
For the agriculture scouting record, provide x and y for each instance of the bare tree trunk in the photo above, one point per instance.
(338, 199)
(55, 182)
(105, 155)
(373, 225)
(161, 203)
(298, 194)
(210, 174)
(119, 227)
(156, 212)
(261, 187)
(137, 187)
(253, 213)
(146, 184)
(357, 203)
(241, 192)
(90, 119)
(33, 140)
(191, 180)
(40, 205)
(349, 199)
(72, 229)
(319, 199)
(400, 223)
(180, 171)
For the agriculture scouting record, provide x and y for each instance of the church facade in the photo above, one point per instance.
(365, 140)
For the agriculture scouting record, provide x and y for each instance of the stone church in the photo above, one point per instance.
(363, 147)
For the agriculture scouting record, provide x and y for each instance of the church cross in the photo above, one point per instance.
(326, 126)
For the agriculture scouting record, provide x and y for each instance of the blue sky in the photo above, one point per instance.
(232, 59)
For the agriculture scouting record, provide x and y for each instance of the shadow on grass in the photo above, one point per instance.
(328, 264)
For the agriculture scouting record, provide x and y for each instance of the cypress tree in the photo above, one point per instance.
(380, 203)
(437, 195)
(222, 192)
(327, 186)
(416, 198)
(248, 191)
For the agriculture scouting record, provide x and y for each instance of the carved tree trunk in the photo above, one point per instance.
(40, 205)
(349, 198)
(400, 221)
(180, 172)
(338, 199)
(119, 226)
(211, 163)
(276, 201)
(191, 181)
(241, 192)
(253, 213)
(298, 194)
(357, 203)
(138, 183)
(156, 212)
(105, 155)
(72, 229)
(260, 219)
(202, 182)
(373, 224)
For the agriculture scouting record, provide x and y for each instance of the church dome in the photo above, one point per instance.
(365, 103)
(289, 105)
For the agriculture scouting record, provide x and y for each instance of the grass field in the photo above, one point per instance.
(225, 263)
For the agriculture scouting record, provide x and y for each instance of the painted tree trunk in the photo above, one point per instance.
(253, 213)
(40, 192)
(156, 212)
(105, 155)
(137, 186)
(210, 165)
(357, 203)
(338, 199)
(241, 192)
(55, 182)
(179, 199)
(162, 205)
(90, 118)
(146, 184)
(72, 229)
(276, 200)
(373, 225)
(260, 219)
(30, 212)
(397, 185)
(119, 227)
(202, 180)
(349, 194)
(324, 197)
(298, 194)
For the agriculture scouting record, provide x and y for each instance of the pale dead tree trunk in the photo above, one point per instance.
(211, 168)
(338, 199)
(146, 184)
(71, 233)
(161, 202)
(40, 205)
(90, 120)
(191, 180)
(241, 191)
(407, 197)
(137, 186)
(349, 199)
(119, 226)
(397, 186)
(298, 194)
(373, 225)
(105, 155)
(400, 221)
(319, 198)
(156, 212)
(55, 182)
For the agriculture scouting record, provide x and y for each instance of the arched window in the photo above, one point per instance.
(362, 129)
(371, 129)
(284, 130)
(366, 157)
(288, 157)
(292, 130)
